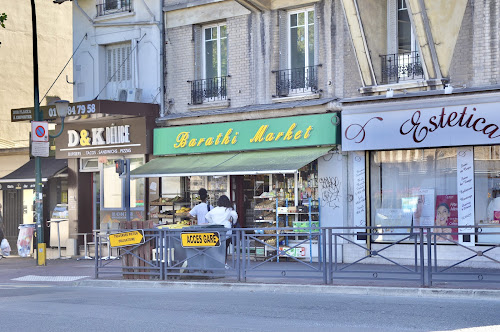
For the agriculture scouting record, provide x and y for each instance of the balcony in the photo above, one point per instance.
(296, 81)
(401, 67)
(108, 7)
(209, 89)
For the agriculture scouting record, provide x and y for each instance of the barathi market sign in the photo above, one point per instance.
(475, 124)
(287, 132)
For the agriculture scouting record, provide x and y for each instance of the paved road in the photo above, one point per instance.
(47, 307)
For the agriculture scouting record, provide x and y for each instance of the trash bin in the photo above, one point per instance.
(203, 258)
(24, 239)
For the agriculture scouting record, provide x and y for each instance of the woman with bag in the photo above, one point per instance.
(223, 215)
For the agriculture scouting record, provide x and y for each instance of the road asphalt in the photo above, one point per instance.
(80, 273)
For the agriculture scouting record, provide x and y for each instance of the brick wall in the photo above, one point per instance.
(485, 50)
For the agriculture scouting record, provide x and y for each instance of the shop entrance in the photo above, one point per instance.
(12, 214)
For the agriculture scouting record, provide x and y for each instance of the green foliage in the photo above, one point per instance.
(3, 18)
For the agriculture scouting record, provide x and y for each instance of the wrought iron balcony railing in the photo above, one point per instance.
(401, 67)
(108, 7)
(209, 89)
(296, 80)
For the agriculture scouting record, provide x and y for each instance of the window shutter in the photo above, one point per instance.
(317, 10)
(198, 52)
(283, 39)
(109, 64)
(392, 27)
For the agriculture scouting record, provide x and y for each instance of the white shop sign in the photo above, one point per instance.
(474, 124)
(465, 188)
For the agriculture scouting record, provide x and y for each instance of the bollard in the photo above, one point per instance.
(41, 254)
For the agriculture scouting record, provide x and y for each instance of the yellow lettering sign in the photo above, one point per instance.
(259, 137)
(209, 239)
(181, 139)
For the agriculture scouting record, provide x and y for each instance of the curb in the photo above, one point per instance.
(299, 289)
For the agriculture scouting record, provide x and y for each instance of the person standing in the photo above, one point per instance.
(200, 210)
(224, 215)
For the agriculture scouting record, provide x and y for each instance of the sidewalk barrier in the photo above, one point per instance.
(418, 256)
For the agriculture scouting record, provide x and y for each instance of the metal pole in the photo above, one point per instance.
(127, 188)
(38, 116)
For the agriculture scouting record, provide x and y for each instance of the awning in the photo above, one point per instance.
(281, 161)
(24, 176)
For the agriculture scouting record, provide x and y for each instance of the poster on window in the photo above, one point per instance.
(446, 215)
(387, 219)
(421, 205)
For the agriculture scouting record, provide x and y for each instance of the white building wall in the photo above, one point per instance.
(141, 28)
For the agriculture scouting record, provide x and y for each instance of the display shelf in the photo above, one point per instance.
(298, 213)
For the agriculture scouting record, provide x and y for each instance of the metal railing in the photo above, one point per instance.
(420, 256)
(209, 89)
(401, 67)
(108, 7)
(296, 80)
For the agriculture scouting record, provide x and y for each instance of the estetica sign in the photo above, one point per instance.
(477, 124)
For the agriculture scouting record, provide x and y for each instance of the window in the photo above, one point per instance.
(297, 71)
(118, 69)
(410, 186)
(106, 7)
(403, 60)
(113, 186)
(301, 45)
(212, 85)
(487, 191)
(215, 46)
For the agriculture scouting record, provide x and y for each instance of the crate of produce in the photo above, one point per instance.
(303, 226)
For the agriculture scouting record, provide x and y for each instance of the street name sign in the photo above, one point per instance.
(126, 238)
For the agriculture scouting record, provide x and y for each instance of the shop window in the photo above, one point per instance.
(137, 190)
(410, 186)
(487, 191)
(113, 186)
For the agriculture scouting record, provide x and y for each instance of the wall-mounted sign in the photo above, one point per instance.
(50, 112)
(103, 138)
(475, 124)
(288, 132)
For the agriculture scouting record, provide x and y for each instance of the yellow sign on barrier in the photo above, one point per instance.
(126, 238)
(208, 239)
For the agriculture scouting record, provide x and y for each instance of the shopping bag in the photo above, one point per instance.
(5, 248)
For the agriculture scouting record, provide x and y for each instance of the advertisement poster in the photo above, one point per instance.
(447, 215)
(421, 205)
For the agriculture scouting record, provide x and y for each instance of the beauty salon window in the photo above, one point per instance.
(487, 191)
(409, 186)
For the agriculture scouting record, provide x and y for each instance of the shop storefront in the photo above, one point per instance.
(92, 143)
(274, 170)
(17, 192)
(427, 162)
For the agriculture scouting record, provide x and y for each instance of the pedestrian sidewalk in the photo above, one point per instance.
(72, 272)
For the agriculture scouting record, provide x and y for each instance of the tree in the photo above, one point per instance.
(3, 18)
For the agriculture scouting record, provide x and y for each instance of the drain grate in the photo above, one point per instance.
(49, 278)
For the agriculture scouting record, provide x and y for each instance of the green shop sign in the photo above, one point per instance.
(290, 132)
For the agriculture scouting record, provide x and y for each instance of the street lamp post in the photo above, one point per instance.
(62, 111)
(38, 167)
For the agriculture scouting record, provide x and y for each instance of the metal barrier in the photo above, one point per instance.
(420, 255)
(131, 262)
